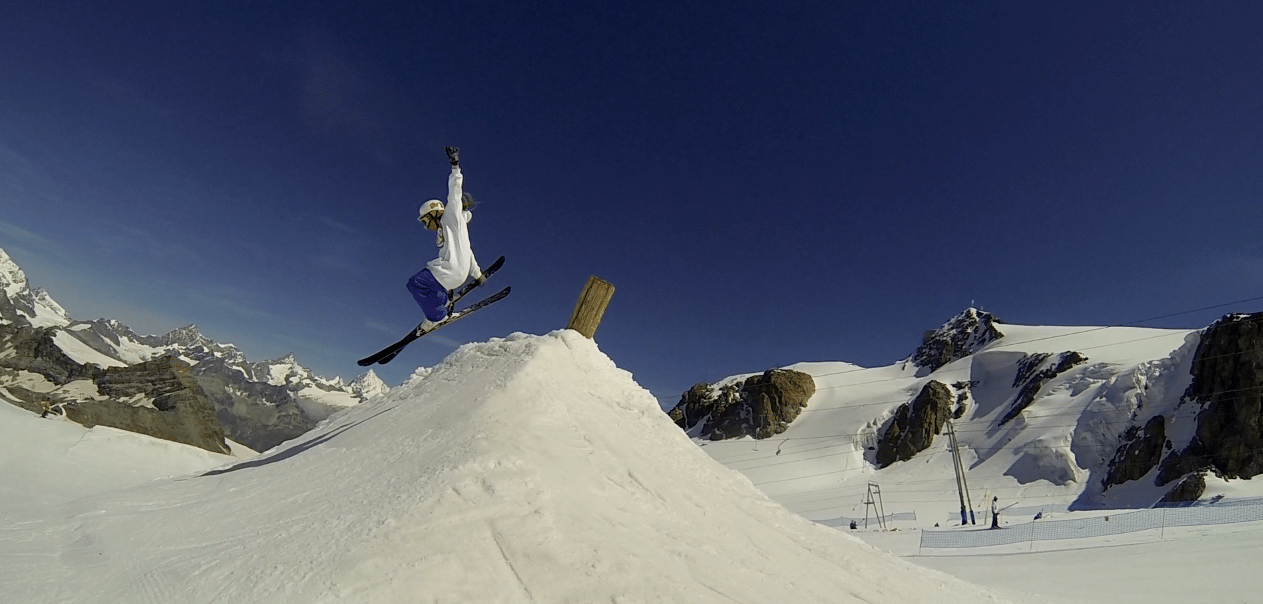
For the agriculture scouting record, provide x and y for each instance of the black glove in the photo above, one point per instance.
(453, 155)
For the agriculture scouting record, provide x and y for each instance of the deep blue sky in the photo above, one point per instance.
(763, 182)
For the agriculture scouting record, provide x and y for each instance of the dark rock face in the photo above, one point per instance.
(1183, 463)
(914, 425)
(960, 337)
(255, 414)
(1189, 489)
(760, 406)
(963, 389)
(181, 411)
(1140, 452)
(1228, 384)
(35, 351)
(1030, 379)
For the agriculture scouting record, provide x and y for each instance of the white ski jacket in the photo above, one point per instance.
(456, 262)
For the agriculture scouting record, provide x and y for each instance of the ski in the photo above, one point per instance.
(454, 296)
(389, 352)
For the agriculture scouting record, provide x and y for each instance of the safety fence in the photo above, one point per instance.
(1221, 512)
(1009, 512)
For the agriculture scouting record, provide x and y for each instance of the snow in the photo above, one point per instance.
(81, 353)
(528, 469)
(319, 404)
(46, 311)
(532, 469)
(1189, 564)
(34, 305)
(12, 279)
(54, 462)
(33, 382)
(129, 350)
(821, 466)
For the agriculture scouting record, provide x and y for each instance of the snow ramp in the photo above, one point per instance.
(528, 469)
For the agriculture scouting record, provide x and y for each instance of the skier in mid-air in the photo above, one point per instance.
(456, 263)
(447, 279)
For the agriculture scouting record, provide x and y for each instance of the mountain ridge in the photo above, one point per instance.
(259, 404)
(1053, 417)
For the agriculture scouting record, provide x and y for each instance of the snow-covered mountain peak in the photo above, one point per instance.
(285, 359)
(186, 336)
(282, 371)
(12, 279)
(961, 336)
(368, 385)
(22, 305)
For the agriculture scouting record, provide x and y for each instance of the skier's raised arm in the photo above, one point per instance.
(456, 220)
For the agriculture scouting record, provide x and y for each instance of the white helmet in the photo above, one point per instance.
(431, 213)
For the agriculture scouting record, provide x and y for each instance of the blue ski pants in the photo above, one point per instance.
(430, 295)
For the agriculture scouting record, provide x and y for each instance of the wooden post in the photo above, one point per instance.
(591, 306)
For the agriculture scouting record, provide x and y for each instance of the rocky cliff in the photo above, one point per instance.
(914, 425)
(956, 339)
(159, 398)
(1139, 452)
(1227, 391)
(1033, 373)
(760, 406)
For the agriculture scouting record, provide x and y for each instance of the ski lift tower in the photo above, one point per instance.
(873, 500)
(962, 487)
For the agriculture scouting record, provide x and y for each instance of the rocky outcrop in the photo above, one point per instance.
(1031, 378)
(158, 398)
(760, 406)
(960, 337)
(1228, 385)
(177, 410)
(963, 389)
(1189, 489)
(255, 414)
(1139, 453)
(35, 350)
(914, 425)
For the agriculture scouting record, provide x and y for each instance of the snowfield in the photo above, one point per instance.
(1046, 461)
(822, 465)
(528, 469)
(532, 469)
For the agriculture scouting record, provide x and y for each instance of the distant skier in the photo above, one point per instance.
(995, 513)
(456, 263)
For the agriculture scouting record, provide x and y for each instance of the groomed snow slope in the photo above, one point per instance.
(528, 469)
